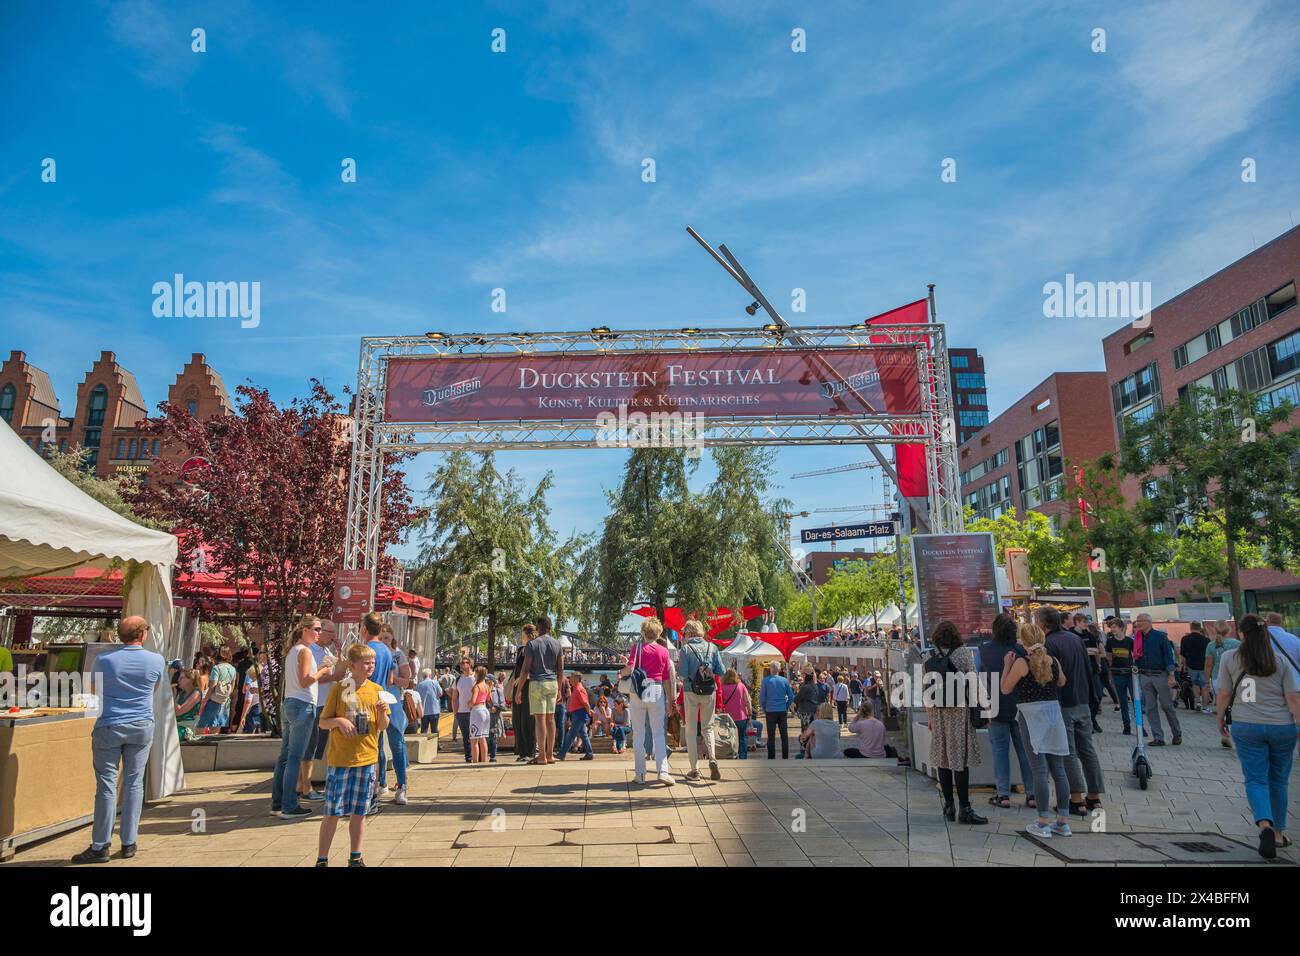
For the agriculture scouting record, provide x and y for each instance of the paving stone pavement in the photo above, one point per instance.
(781, 813)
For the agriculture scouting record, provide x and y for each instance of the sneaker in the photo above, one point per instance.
(357, 862)
(128, 850)
(1157, 743)
(382, 792)
(1040, 830)
(91, 855)
(1061, 830)
(639, 779)
(1096, 727)
(589, 757)
(667, 779)
(275, 811)
(295, 813)
(714, 772)
(320, 863)
(1128, 731)
(492, 760)
(691, 775)
(1225, 743)
(1178, 741)
(314, 796)
(374, 808)
(399, 797)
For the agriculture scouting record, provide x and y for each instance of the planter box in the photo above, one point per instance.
(237, 752)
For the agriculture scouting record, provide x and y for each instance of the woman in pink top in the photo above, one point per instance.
(735, 704)
(871, 735)
(648, 708)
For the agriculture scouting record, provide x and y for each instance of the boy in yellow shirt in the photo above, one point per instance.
(355, 717)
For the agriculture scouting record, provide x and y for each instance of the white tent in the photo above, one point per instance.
(746, 648)
(49, 526)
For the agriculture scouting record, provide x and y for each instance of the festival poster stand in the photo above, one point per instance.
(955, 579)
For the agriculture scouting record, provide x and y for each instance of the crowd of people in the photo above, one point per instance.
(1052, 674)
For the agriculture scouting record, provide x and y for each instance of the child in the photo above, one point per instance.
(355, 717)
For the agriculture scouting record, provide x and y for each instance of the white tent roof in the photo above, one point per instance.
(746, 647)
(48, 524)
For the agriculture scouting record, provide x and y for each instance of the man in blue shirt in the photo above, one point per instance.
(1156, 661)
(125, 680)
(1284, 640)
(775, 697)
(431, 697)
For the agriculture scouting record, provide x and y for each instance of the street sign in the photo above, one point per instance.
(843, 532)
(351, 596)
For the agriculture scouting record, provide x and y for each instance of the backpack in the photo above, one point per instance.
(221, 691)
(702, 682)
(940, 665)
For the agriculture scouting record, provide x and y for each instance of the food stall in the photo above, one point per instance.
(49, 527)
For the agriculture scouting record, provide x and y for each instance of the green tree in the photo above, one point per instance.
(798, 613)
(1116, 541)
(488, 552)
(1050, 560)
(116, 493)
(1224, 459)
(1200, 554)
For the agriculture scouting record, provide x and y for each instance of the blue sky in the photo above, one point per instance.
(522, 170)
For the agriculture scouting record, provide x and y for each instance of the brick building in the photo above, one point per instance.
(970, 397)
(110, 417)
(1237, 329)
(1018, 462)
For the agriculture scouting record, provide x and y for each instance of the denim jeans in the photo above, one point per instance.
(742, 727)
(462, 723)
(577, 731)
(297, 732)
(1082, 766)
(559, 726)
(1002, 737)
(429, 723)
(1123, 681)
(1042, 766)
(397, 744)
(214, 715)
(619, 733)
(1266, 752)
(253, 722)
(128, 743)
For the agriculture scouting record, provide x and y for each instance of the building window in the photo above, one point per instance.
(979, 419)
(8, 398)
(1284, 355)
(959, 361)
(1279, 301)
(155, 448)
(970, 380)
(1053, 434)
(98, 402)
(63, 445)
(131, 451)
(1278, 396)
(1132, 346)
(121, 449)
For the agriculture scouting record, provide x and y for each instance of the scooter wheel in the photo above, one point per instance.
(1143, 775)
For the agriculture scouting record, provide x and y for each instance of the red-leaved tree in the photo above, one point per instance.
(269, 510)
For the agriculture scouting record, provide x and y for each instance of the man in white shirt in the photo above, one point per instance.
(461, 693)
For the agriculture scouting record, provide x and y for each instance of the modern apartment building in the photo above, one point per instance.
(970, 397)
(1237, 329)
(1018, 462)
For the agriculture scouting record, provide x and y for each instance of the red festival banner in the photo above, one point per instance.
(580, 387)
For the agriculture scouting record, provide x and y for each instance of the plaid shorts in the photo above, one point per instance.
(348, 790)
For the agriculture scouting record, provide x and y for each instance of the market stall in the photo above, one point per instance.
(50, 528)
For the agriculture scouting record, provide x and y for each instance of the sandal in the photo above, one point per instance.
(1078, 809)
(1283, 841)
(1092, 804)
(1003, 802)
(1031, 803)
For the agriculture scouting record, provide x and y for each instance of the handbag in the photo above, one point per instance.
(1227, 710)
(635, 682)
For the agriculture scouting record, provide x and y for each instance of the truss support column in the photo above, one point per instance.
(363, 479)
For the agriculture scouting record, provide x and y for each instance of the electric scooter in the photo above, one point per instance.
(1141, 765)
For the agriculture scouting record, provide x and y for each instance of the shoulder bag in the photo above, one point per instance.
(634, 683)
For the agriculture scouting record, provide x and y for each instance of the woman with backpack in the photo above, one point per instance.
(221, 687)
(1036, 679)
(1262, 723)
(954, 748)
(700, 667)
(806, 703)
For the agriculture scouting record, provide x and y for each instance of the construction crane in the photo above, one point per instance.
(838, 469)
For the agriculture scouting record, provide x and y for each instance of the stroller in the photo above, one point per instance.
(1186, 691)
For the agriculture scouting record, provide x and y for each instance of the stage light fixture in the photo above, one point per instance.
(753, 308)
